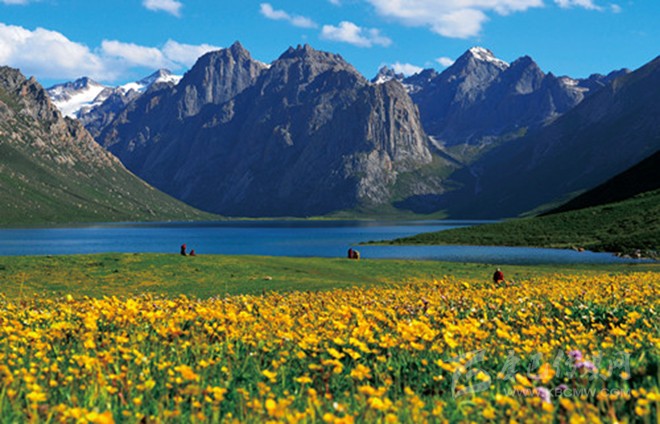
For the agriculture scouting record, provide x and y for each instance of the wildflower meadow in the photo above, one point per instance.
(558, 348)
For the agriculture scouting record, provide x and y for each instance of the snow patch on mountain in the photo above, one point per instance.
(84, 94)
(160, 76)
(69, 98)
(486, 55)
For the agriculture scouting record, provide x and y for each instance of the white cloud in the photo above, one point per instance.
(280, 15)
(60, 58)
(335, 2)
(14, 1)
(615, 8)
(172, 7)
(48, 54)
(348, 32)
(135, 55)
(185, 54)
(450, 18)
(406, 69)
(587, 4)
(445, 61)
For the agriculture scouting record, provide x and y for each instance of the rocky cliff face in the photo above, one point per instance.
(309, 136)
(217, 77)
(52, 170)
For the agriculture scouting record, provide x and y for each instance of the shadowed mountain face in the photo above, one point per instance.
(309, 135)
(480, 98)
(53, 171)
(610, 131)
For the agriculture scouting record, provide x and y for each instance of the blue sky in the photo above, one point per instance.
(122, 40)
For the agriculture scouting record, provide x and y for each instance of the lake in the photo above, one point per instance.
(277, 238)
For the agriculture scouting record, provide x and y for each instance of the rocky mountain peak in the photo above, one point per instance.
(216, 77)
(303, 64)
(10, 78)
(27, 97)
(483, 55)
(524, 74)
(385, 73)
(238, 49)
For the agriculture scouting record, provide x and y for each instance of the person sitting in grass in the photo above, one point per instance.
(498, 277)
(183, 249)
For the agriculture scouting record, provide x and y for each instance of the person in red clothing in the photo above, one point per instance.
(498, 277)
(183, 249)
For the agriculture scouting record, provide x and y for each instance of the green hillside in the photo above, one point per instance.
(52, 171)
(617, 227)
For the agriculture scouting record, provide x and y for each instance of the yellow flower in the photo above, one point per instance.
(489, 413)
(360, 372)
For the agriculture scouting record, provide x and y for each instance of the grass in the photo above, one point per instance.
(205, 276)
(617, 227)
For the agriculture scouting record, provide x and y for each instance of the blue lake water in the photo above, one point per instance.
(277, 238)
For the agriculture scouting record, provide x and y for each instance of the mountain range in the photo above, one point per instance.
(52, 170)
(309, 135)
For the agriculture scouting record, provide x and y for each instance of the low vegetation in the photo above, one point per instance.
(576, 345)
(626, 226)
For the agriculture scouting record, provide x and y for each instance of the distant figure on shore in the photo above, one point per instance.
(498, 277)
(183, 249)
(353, 254)
(192, 253)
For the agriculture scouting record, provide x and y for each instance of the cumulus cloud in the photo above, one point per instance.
(450, 18)
(135, 55)
(348, 32)
(406, 69)
(587, 4)
(57, 57)
(173, 7)
(61, 58)
(280, 15)
(445, 61)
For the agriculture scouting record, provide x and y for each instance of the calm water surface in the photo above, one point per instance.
(276, 238)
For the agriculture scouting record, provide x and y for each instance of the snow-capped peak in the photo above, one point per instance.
(486, 55)
(70, 97)
(84, 94)
(160, 76)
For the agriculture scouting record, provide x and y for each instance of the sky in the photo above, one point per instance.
(118, 41)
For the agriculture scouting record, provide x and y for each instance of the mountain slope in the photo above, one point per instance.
(610, 131)
(52, 171)
(641, 178)
(309, 136)
(626, 226)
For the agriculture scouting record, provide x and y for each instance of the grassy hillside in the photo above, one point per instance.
(34, 192)
(214, 275)
(617, 227)
(52, 171)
